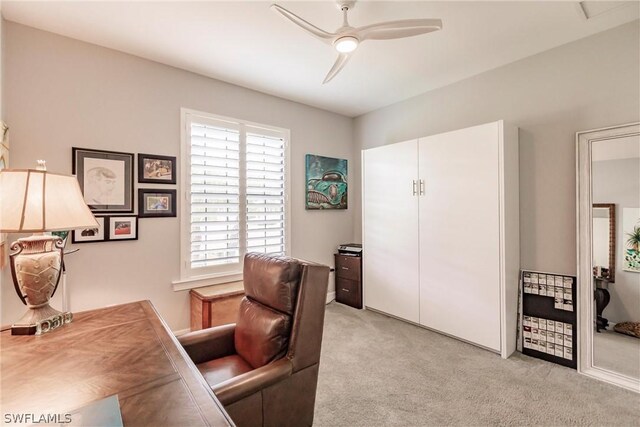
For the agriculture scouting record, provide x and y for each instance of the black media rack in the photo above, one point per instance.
(549, 320)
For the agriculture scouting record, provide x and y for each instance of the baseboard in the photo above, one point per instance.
(492, 350)
(330, 296)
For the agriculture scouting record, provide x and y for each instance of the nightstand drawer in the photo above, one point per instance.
(348, 292)
(348, 267)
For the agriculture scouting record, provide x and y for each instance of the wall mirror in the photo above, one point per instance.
(608, 254)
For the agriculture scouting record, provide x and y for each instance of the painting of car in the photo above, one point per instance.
(326, 182)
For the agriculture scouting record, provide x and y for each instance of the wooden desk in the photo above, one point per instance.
(126, 350)
(215, 305)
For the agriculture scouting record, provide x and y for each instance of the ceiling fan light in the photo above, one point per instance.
(346, 44)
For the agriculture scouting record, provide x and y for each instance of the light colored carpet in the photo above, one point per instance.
(378, 371)
(617, 352)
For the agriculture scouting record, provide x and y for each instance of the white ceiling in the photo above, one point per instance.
(248, 44)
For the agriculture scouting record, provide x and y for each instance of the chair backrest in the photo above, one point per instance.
(266, 313)
(308, 318)
(282, 312)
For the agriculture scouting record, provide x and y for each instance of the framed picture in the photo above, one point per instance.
(326, 180)
(88, 235)
(155, 169)
(106, 179)
(154, 202)
(123, 227)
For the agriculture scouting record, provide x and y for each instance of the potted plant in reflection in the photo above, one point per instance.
(632, 254)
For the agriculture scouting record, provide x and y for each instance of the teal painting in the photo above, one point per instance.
(326, 179)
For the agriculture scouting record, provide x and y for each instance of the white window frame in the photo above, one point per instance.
(189, 278)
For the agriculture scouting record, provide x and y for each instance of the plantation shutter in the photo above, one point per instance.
(235, 187)
(265, 191)
(215, 224)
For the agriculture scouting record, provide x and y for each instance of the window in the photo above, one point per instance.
(234, 181)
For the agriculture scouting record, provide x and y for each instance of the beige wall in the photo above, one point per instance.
(61, 93)
(590, 83)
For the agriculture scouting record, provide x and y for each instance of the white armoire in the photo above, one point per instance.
(441, 233)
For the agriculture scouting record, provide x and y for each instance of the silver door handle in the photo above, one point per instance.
(415, 187)
(344, 268)
(346, 290)
(422, 187)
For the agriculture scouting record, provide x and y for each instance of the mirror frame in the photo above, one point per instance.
(612, 238)
(586, 307)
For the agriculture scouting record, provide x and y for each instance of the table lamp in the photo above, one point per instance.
(34, 201)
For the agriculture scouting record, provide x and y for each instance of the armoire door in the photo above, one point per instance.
(460, 234)
(390, 224)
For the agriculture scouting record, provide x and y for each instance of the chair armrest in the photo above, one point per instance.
(244, 385)
(209, 344)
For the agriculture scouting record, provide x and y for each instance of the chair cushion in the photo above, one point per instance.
(218, 370)
(262, 334)
(272, 281)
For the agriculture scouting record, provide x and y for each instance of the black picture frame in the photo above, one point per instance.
(166, 208)
(95, 179)
(159, 163)
(114, 228)
(78, 236)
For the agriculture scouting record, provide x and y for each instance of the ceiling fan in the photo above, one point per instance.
(347, 38)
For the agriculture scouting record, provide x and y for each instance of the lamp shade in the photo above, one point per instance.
(36, 200)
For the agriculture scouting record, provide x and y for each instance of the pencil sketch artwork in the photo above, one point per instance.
(104, 181)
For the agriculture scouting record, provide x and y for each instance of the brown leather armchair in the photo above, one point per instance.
(264, 368)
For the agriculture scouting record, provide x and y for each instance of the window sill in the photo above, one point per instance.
(201, 281)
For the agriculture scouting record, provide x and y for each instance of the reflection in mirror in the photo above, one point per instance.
(615, 178)
(603, 241)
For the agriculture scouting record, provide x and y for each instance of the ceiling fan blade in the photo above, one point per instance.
(308, 27)
(398, 29)
(342, 60)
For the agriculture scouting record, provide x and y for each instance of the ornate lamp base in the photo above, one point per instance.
(42, 326)
(28, 323)
(35, 267)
